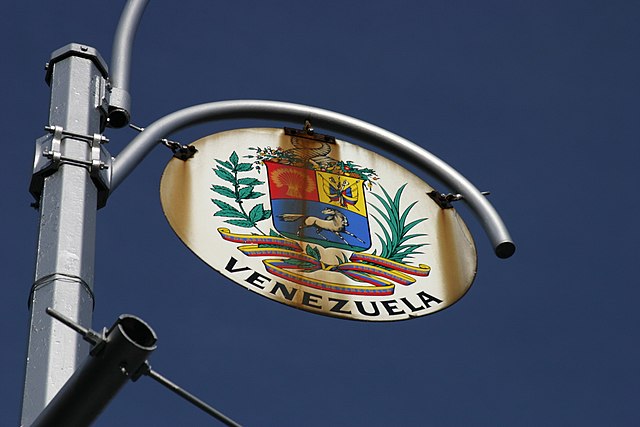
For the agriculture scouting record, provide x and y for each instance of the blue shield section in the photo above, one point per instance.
(320, 223)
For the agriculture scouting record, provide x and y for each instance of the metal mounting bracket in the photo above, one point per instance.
(48, 159)
(309, 133)
(444, 200)
(182, 152)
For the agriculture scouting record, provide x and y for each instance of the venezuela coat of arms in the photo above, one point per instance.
(318, 224)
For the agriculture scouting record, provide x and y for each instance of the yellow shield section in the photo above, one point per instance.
(343, 191)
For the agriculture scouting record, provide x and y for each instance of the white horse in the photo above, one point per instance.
(334, 222)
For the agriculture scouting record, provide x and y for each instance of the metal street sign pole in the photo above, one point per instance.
(68, 200)
(71, 181)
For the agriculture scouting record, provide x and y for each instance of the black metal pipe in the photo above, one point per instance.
(120, 357)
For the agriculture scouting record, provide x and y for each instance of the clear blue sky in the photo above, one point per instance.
(536, 102)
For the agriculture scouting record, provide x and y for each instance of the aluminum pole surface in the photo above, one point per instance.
(66, 238)
(140, 146)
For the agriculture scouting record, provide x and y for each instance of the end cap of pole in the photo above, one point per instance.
(76, 49)
(505, 249)
(119, 115)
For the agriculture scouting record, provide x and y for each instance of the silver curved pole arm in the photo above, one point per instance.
(119, 98)
(132, 155)
(140, 146)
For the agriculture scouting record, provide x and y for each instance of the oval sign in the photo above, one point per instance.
(318, 224)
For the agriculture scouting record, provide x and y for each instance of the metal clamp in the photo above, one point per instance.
(444, 200)
(180, 151)
(48, 159)
(100, 158)
(54, 152)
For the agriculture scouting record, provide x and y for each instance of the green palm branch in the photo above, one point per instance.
(395, 229)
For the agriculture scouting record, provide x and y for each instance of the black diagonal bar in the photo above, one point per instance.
(191, 398)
